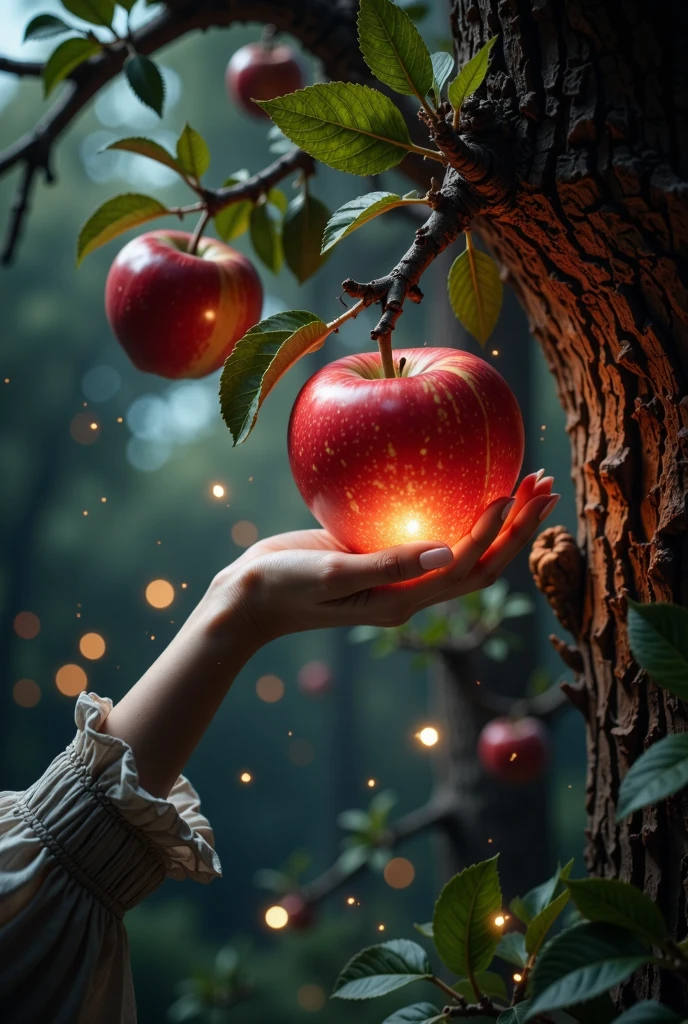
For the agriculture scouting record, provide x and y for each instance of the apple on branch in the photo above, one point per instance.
(384, 460)
(262, 71)
(178, 314)
(514, 750)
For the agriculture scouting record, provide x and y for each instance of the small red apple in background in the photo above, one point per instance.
(301, 914)
(180, 315)
(514, 750)
(384, 461)
(262, 71)
(315, 678)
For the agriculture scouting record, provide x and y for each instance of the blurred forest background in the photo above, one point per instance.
(107, 484)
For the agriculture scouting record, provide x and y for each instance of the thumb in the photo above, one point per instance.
(393, 565)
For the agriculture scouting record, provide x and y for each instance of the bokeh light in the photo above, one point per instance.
(82, 430)
(428, 736)
(71, 680)
(245, 777)
(314, 678)
(371, 783)
(101, 383)
(218, 490)
(399, 873)
(26, 693)
(500, 920)
(517, 977)
(244, 533)
(160, 593)
(92, 646)
(270, 689)
(27, 625)
(276, 917)
(311, 998)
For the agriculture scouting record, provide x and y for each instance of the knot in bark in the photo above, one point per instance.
(556, 564)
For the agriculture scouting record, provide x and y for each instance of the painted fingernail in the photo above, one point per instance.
(549, 506)
(507, 509)
(435, 558)
(546, 481)
(539, 475)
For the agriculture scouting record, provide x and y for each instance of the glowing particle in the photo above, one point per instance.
(209, 314)
(489, 840)
(513, 756)
(518, 977)
(495, 351)
(399, 873)
(93, 425)
(351, 901)
(380, 927)
(71, 680)
(500, 920)
(276, 917)
(311, 998)
(152, 636)
(84, 429)
(244, 533)
(160, 593)
(270, 689)
(7, 380)
(371, 783)
(103, 500)
(84, 513)
(92, 646)
(218, 491)
(120, 419)
(27, 625)
(413, 526)
(245, 776)
(26, 693)
(428, 736)
(184, 586)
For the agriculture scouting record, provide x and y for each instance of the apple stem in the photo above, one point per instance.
(384, 343)
(198, 231)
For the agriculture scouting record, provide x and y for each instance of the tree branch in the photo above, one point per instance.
(429, 816)
(21, 68)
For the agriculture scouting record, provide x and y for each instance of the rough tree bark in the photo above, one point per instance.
(595, 248)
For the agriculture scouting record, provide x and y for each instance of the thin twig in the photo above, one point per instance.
(21, 68)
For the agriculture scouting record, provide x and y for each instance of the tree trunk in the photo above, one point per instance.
(595, 249)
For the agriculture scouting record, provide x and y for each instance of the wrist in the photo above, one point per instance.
(223, 615)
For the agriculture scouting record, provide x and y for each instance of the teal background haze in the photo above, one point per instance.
(156, 468)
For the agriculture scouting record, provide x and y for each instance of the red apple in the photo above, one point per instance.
(315, 678)
(179, 315)
(301, 914)
(383, 461)
(514, 750)
(259, 71)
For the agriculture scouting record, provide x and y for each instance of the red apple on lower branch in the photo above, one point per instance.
(381, 461)
(177, 314)
(262, 72)
(514, 750)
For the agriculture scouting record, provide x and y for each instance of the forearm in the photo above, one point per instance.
(164, 716)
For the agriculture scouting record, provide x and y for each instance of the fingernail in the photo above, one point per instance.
(435, 558)
(549, 506)
(546, 480)
(539, 475)
(507, 509)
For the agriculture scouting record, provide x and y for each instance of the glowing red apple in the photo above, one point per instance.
(180, 315)
(301, 914)
(514, 750)
(381, 461)
(261, 71)
(315, 678)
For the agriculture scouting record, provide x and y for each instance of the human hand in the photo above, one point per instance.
(306, 580)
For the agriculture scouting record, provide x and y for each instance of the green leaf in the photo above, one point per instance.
(419, 1013)
(512, 948)
(235, 219)
(45, 26)
(115, 216)
(442, 67)
(542, 922)
(425, 929)
(463, 923)
(192, 152)
(475, 292)
(303, 227)
(415, 9)
(128, 4)
(582, 963)
(145, 79)
(354, 820)
(659, 772)
(515, 1014)
(470, 76)
(351, 860)
(266, 235)
(347, 126)
(648, 1012)
(148, 148)
(658, 635)
(358, 212)
(517, 605)
(258, 361)
(489, 983)
(273, 881)
(599, 1010)
(381, 969)
(527, 907)
(95, 12)
(616, 902)
(64, 59)
(393, 48)
(380, 806)
(277, 197)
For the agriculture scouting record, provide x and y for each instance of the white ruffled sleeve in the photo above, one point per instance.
(78, 849)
